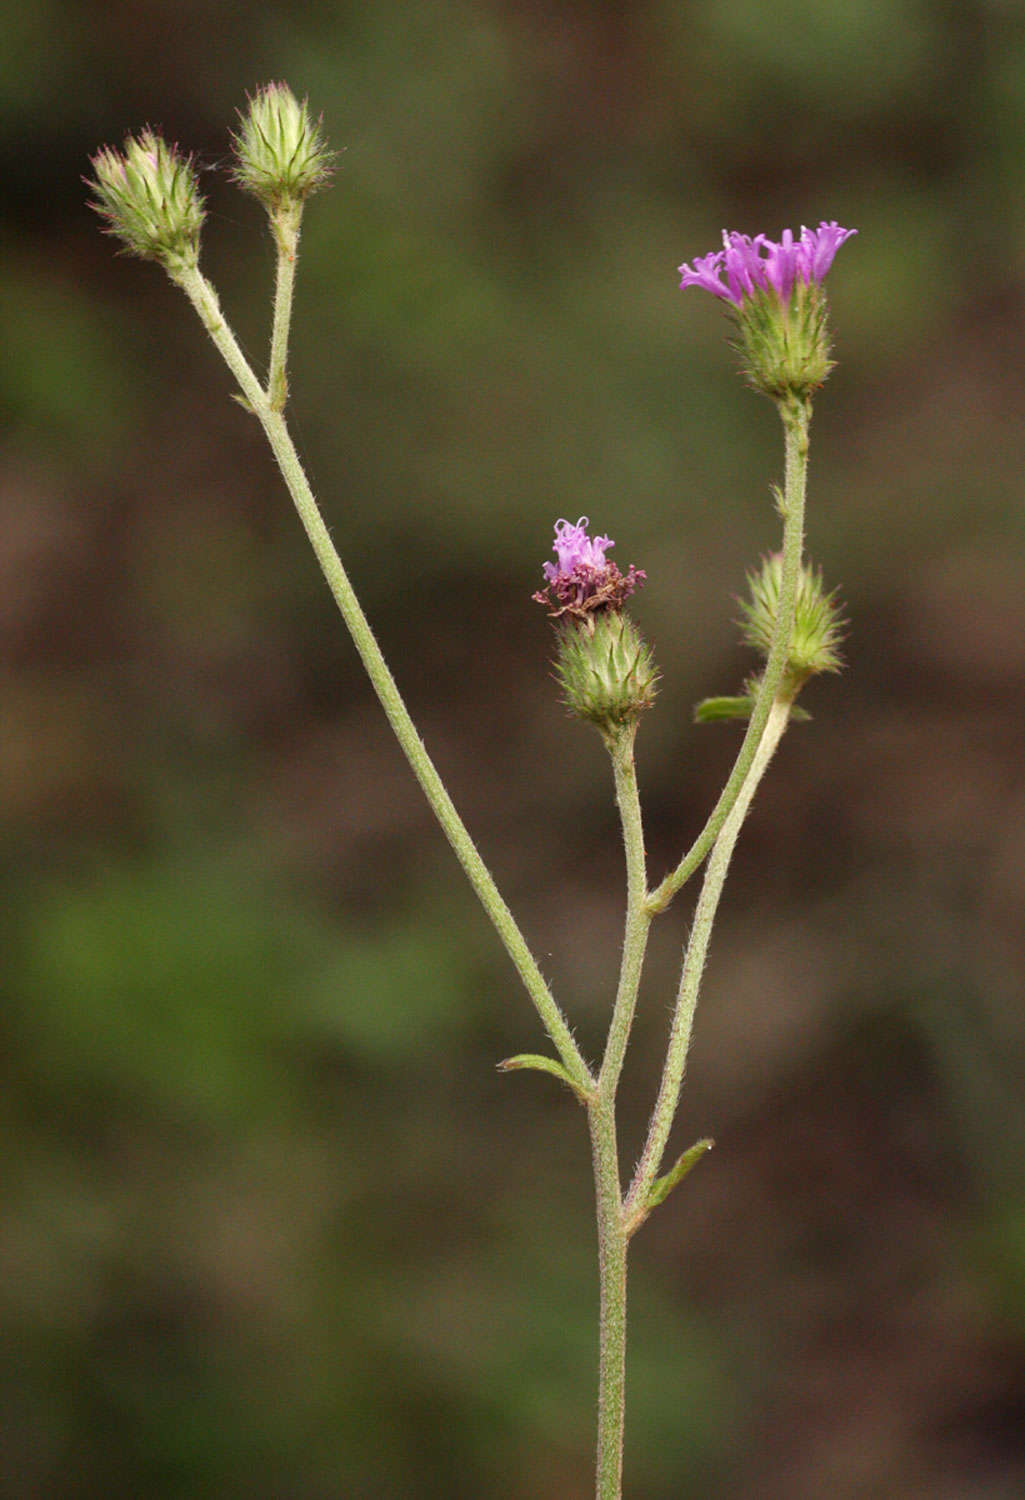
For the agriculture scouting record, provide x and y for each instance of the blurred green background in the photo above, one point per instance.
(273, 1227)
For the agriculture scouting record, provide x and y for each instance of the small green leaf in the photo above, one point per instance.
(684, 1165)
(717, 710)
(711, 710)
(542, 1065)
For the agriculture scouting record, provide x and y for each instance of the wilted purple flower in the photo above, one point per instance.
(574, 548)
(584, 580)
(760, 264)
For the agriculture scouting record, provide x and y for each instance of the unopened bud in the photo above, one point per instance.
(149, 195)
(818, 624)
(281, 154)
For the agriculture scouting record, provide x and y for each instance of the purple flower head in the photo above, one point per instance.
(574, 549)
(583, 580)
(760, 264)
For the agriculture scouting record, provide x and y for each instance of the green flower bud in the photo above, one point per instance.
(818, 624)
(149, 195)
(281, 154)
(606, 669)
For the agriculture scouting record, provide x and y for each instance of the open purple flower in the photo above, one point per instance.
(762, 265)
(583, 580)
(773, 290)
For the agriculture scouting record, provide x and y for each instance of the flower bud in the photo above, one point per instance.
(818, 624)
(606, 669)
(149, 195)
(281, 154)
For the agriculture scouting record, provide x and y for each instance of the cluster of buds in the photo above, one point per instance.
(603, 664)
(149, 195)
(774, 291)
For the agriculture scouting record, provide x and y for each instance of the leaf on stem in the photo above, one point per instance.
(711, 710)
(717, 710)
(684, 1165)
(542, 1065)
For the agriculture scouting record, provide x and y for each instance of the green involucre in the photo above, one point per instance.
(606, 669)
(818, 624)
(784, 346)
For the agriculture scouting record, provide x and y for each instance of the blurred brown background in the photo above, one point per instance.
(273, 1226)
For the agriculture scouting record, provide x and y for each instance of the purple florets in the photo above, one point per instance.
(574, 548)
(760, 264)
(583, 580)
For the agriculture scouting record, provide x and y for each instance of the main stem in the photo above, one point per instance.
(612, 1235)
(204, 299)
(612, 1246)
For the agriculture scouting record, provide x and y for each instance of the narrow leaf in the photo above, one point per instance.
(716, 710)
(663, 1186)
(542, 1065)
(711, 710)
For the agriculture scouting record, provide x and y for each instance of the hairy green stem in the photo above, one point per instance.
(693, 968)
(638, 918)
(204, 300)
(796, 415)
(612, 1249)
(612, 1237)
(285, 224)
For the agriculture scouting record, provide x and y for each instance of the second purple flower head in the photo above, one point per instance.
(584, 581)
(602, 662)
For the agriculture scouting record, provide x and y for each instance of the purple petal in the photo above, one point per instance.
(760, 264)
(781, 265)
(743, 265)
(704, 274)
(819, 247)
(573, 547)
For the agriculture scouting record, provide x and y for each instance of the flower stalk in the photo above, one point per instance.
(796, 418)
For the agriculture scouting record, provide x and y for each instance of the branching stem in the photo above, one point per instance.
(204, 299)
(616, 1219)
(694, 964)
